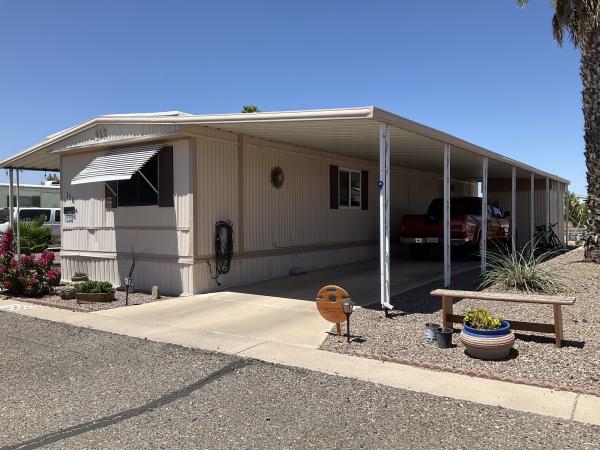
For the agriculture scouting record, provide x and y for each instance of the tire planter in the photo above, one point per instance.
(94, 298)
(488, 344)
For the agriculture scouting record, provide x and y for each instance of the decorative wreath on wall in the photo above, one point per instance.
(277, 177)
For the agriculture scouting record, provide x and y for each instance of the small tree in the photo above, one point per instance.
(250, 109)
(52, 177)
(578, 210)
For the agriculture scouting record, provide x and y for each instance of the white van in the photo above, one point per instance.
(51, 218)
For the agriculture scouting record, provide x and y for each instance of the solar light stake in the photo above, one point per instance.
(128, 283)
(348, 307)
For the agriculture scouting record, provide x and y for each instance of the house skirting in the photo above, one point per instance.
(185, 276)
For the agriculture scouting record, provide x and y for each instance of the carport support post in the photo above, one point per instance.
(548, 204)
(484, 215)
(10, 199)
(559, 210)
(384, 215)
(567, 206)
(532, 211)
(513, 210)
(447, 237)
(18, 215)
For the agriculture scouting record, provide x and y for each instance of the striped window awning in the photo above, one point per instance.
(120, 164)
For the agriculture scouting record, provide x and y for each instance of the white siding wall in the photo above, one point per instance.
(162, 235)
(293, 226)
(276, 229)
(298, 213)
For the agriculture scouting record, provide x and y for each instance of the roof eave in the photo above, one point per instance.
(415, 127)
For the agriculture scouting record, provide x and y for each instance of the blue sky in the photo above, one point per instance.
(485, 71)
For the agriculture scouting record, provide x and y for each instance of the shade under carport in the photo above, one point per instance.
(113, 165)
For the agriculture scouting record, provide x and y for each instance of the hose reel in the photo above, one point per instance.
(223, 249)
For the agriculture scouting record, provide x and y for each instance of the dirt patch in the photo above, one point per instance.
(535, 359)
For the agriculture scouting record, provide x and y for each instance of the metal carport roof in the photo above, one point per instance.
(349, 131)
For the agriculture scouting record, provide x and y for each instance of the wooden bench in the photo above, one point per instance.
(448, 318)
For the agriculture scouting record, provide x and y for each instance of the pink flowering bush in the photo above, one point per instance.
(28, 275)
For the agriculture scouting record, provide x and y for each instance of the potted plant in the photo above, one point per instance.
(486, 336)
(95, 291)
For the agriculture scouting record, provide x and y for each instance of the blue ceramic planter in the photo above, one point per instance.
(488, 344)
(503, 330)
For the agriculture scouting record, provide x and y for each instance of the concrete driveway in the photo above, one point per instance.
(360, 279)
(281, 310)
(233, 316)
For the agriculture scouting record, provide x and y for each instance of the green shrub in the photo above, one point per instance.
(96, 287)
(482, 319)
(520, 270)
(35, 236)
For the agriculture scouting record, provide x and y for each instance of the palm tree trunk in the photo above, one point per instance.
(590, 75)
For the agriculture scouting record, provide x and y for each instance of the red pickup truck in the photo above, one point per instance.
(465, 224)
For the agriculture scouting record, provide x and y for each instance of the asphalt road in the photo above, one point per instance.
(68, 387)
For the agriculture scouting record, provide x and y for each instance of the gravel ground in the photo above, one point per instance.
(55, 376)
(535, 359)
(136, 298)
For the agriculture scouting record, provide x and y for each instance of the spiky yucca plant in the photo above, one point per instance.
(520, 270)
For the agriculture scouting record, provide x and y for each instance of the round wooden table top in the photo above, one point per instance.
(329, 303)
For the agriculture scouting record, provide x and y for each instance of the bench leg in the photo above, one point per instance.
(447, 310)
(558, 328)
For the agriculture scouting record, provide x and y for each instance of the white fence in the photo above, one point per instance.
(576, 234)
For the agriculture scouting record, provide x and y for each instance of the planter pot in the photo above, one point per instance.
(431, 331)
(94, 298)
(444, 337)
(488, 344)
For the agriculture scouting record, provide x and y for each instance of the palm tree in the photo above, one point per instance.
(580, 19)
(250, 109)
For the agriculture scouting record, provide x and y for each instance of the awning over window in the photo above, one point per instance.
(119, 164)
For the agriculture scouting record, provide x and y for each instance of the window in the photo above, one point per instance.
(137, 190)
(4, 215)
(141, 189)
(349, 188)
(25, 200)
(31, 214)
(57, 216)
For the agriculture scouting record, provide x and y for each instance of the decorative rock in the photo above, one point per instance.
(155, 293)
(78, 277)
(68, 293)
